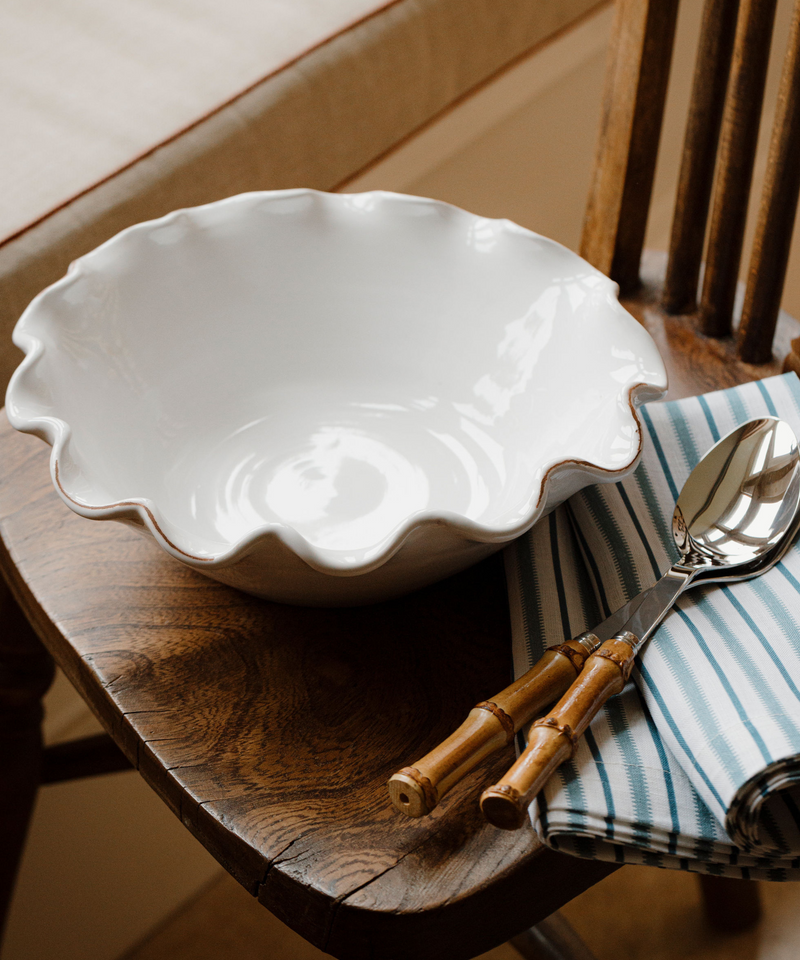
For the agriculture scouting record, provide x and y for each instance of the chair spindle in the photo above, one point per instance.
(735, 166)
(776, 216)
(636, 86)
(696, 179)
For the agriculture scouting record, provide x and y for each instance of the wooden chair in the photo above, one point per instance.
(269, 730)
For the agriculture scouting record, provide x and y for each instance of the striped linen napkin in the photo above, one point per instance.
(696, 764)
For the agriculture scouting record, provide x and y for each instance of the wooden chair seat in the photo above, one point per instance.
(271, 730)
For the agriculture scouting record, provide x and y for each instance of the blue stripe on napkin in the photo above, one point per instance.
(694, 765)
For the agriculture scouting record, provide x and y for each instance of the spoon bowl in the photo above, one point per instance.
(740, 501)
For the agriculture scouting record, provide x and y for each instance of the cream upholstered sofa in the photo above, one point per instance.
(117, 113)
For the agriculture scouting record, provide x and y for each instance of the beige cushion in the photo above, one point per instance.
(123, 112)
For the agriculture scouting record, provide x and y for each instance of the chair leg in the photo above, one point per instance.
(730, 905)
(26, 671)
(552, 939)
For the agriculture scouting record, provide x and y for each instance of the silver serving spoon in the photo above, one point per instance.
(734, 519)
(416, 789)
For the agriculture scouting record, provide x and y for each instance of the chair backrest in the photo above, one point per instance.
(717, 165)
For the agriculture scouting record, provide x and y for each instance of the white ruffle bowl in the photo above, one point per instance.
(331, 399)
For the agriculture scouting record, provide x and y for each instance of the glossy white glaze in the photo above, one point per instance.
(326, 398)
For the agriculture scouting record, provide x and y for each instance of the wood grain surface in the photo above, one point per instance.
(271, 730)
(417, 789)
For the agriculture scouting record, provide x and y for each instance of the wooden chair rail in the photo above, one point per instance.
(86, 757)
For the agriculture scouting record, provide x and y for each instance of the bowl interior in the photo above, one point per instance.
(336, 364)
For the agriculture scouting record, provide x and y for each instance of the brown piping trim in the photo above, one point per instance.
(284, 66)
(201, 119)
(130, 503)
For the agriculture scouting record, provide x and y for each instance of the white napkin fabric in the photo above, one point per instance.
(696, 764)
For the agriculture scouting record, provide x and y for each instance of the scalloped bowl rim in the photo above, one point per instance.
(57, 432)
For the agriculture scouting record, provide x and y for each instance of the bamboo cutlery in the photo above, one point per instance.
(734, 519)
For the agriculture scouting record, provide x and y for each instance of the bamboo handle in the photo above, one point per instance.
(552, 739)
(490, 725)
